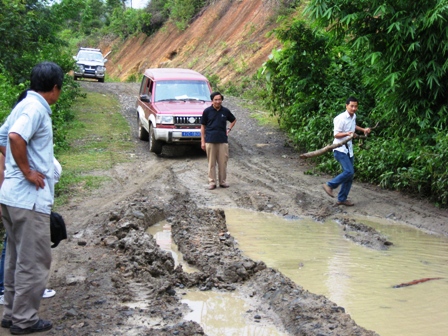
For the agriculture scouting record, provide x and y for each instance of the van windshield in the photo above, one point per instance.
(182, 90)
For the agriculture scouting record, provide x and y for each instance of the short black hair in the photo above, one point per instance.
(351, 99)
(214, 94)
(21, 97)
(45, 76)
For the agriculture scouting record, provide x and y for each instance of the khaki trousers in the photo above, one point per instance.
(217, 153)
(27, 265)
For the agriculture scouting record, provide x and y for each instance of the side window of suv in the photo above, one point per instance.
(146, 89)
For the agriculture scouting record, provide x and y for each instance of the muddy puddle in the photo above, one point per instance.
(162, 234)
(317, 257)
(218, 313)
(226, 314)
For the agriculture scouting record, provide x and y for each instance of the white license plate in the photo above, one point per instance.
(191, 134)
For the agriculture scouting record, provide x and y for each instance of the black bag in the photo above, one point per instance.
(57, 229)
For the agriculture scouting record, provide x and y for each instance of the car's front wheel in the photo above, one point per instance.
(142, 132)
(155, 146)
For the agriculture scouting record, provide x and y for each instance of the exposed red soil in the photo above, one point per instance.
(228, 38)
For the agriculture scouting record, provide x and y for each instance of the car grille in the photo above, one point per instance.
(90, 68)
(187, 121)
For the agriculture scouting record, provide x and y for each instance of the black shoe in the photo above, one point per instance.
(39, 326)
(6, 323)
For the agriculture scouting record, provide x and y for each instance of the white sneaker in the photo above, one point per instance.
(2, 299)
(48, 293)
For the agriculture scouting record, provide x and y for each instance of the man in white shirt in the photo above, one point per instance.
(345, 126)
(26, 197)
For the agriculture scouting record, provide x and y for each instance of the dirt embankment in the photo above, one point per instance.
(112, 279)
(228, 38)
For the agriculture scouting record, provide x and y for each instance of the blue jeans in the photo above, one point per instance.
(2, 267)
(344, 179)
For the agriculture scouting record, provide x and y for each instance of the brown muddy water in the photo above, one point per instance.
(226, 314)
(218, 313)
(317, 257)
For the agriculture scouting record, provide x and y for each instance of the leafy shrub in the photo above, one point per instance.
(8, 95)
(182, 11)
(308, 82)
(127, 22)
(214, 81)
(159, 14)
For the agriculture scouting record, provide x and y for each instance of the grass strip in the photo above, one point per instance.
(99, 138)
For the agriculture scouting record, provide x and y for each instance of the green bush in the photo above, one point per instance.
(127, 22)
(8, 95)
(182, 11)
(30, 39)
(308, 82)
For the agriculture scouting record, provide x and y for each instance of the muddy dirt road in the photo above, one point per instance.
(112, 279)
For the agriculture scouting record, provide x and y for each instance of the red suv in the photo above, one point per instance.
(170, 106)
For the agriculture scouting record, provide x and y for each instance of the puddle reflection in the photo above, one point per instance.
(162, 234)
(317, 257)
(225, 314)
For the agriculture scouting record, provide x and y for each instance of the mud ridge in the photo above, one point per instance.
(202, 237)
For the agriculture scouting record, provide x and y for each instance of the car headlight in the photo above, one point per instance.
(80, 67)
(164, 119)
(101, 68)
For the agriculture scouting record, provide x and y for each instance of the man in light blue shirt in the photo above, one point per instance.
(26, 197)
(344, 126)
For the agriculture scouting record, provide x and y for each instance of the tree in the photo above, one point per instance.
(68, 13)
(25, 26)
(93, 16)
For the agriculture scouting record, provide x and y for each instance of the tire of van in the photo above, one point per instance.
(155, 146)
(142, 132)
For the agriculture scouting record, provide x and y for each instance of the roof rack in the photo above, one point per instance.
(90, 49)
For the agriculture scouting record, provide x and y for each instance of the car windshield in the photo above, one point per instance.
(182, 90)
(90, 56)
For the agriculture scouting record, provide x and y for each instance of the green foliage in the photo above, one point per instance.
(404, 47)
(8, 94)
(25, 27)
(159, 14)
(29, 36)
(98, 138)
(308, 82)
(182, 11)
(62, 114)
(133, 78)
(392, 56)
(127, 22)
(214, 81)
(92, 16)
(68, 13)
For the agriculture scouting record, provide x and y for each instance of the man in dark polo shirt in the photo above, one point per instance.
(214, 139)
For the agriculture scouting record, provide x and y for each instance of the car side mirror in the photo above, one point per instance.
(105, 60)
(145, 98)
(75, 58)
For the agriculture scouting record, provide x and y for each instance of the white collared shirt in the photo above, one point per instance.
(31, 120)
(344, 123)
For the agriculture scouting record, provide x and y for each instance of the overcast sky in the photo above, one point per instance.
(137, 3)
